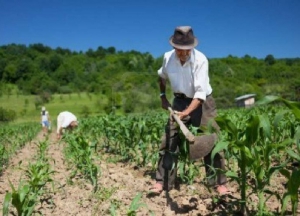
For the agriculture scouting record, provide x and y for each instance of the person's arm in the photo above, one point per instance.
(59, 132)
(162, 86)
(193, 105)
(59, 126)
(162, 81)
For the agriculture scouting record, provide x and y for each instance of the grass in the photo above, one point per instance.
(24, 105)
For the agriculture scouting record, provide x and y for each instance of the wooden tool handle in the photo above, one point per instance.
(188, 135)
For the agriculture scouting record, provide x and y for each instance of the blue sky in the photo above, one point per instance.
(224, 27)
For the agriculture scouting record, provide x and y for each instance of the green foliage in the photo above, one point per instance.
(38, 68)
(135, 205)
(85, 111)
(3, 157)
(256, 141)
(270, 60)
(259, 144)
(38, 175)
(14, 137)
(7, 115)
(23, 199)
(132, 139)
(79, 152)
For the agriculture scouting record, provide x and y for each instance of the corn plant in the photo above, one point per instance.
(253, 147)
(115, 204)
(108, 131)
(293, 183)
(252, 151)
(13, 137)
(23, 199)
(3, 157)
(112, 210)
(135, 205)
(103, 194)
(38, 175)
(187, 169)
(42, 147)
(79, 152)
(129, 138)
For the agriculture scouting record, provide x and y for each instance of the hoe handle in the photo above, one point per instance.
(188, 135)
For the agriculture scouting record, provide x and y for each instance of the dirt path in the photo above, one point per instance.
(14, 172)
(118, 184)
(64, 199)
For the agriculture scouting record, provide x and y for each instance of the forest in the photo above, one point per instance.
(129, 79)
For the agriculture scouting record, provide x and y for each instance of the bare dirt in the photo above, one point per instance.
(118, 184)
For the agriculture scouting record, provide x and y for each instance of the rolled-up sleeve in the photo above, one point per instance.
(201, 79)
(161, 74)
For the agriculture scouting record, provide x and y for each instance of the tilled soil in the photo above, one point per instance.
(118, 185)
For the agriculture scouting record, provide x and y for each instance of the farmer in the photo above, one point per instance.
(65, 120)
(45, 119)
(187, 70)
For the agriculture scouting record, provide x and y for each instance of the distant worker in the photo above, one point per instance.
(65, 120)
(45, 119)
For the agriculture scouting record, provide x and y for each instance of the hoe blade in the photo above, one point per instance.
(202, 146)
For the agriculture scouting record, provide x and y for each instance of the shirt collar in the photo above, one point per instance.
(189, 61)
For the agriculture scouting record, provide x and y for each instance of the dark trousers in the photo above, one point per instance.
(172, 136)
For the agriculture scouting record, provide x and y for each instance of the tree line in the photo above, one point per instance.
(39, 69)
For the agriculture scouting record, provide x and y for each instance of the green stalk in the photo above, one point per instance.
(244, 179)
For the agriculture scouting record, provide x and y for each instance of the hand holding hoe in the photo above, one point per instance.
(200, 146)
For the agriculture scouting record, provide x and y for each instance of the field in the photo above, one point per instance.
(107, 165)
(26, 109)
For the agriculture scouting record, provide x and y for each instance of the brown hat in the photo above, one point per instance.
(183, 38)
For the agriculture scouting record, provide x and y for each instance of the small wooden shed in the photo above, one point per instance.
(247, 100)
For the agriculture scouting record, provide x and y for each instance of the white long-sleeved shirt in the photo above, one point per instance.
(191, 78)
(64, 119)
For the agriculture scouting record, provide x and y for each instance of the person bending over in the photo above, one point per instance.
(65, 120)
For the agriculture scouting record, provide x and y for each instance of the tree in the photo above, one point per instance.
(100, 52)
(270, 60)
(111, 50)
(54, 62)
(62, 51)
(10, 72)
(40, 48)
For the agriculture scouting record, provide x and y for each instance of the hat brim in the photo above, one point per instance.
(184, 47)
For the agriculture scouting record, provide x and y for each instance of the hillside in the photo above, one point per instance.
(127, 81)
